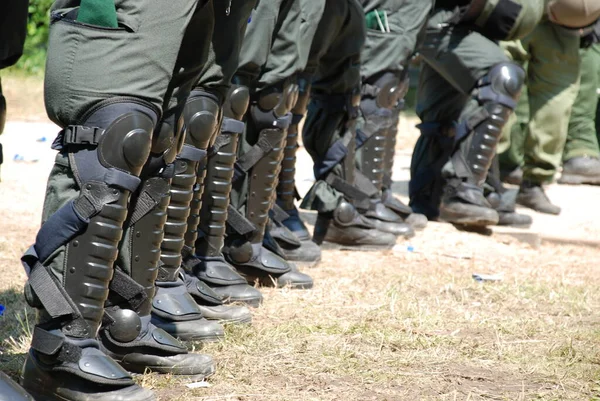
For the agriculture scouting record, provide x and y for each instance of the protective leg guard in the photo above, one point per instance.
(270, 117)
(381, 104)
(477, 137)
(105, 155)
(127, 333)
(173, 308)
(286, 188)
(206, 227)
(304, 251)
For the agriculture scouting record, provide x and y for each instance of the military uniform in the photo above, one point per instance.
(581, 164)
(117, 79)
(269, 60)
(467, 90)
(551, 56)
(553, 62)
(393, 30)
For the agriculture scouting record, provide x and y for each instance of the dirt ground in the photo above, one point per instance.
(406, 324)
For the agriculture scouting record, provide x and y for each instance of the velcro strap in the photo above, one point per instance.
(81, 135)
(251, 157)
(49, 343)
(296, 118)
(346, 188)
(121, 179)
(191, 153)
(335, 154)
(51, 294)
(221, 141)
(362, 137)
(187, 251)
(364, 184)
(239, 223)
(147, 200)
(232, 125)
(169, 171)
(128, 289)
(278, 214)
(469, 124)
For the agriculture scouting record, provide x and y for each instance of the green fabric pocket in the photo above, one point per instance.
(98, 12)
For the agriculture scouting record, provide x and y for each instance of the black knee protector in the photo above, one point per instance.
(272, 104)
(385, 91)
(125, 144)
(502, 84)
(236, 103)
(201, 117)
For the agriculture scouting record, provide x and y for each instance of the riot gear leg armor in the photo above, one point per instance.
(476, 140)
(127, 333)
(268, 118)
(206, 269)
(173, 308)
(106, 155)
(297, 245)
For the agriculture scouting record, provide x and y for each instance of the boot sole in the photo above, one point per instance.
(246, 320)
(326, 245)
(253, 303)
(576, 179)
(196, 338)
(305, 264)
(471, 222)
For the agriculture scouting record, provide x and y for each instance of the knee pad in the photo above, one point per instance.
(236, 103)
(126, 143)
(502, 84)
(112, 146)
(201, 116)
(387, 90)
(274, 103)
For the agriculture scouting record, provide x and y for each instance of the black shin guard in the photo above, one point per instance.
(106, 156)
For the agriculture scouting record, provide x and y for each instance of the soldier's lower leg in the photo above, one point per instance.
(380, 105)
(477, 137)
(300, 249)
(503, 200)
(253, 195)
(105, 142)
(581, 155)
(71, 263)
(207, 224)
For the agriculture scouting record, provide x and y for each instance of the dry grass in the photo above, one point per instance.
(396, 325)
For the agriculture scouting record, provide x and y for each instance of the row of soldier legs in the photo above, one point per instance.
(173, 190)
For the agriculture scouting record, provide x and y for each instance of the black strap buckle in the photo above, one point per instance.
(81, 135)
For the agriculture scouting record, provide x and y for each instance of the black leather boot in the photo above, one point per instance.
(347, 229)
